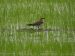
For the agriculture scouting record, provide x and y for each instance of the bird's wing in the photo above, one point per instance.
(37, 22)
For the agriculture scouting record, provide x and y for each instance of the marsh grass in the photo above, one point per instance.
(59, 14)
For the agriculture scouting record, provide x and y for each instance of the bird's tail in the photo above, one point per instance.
(29, 24)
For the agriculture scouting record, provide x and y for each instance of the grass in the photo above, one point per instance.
(15, 14)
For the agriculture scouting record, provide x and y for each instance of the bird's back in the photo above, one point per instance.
(37, 23)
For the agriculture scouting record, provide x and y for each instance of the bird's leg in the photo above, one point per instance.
(38, 27)
(33, 27)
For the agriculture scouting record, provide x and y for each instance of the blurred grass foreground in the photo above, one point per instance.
(17, 39)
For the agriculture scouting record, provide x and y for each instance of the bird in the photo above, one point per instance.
(37, 23)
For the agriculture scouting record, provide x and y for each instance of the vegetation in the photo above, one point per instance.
(58, 14)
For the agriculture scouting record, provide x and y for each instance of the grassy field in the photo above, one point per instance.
(58, 14)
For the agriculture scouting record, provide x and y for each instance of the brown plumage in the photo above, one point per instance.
(37, 23)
